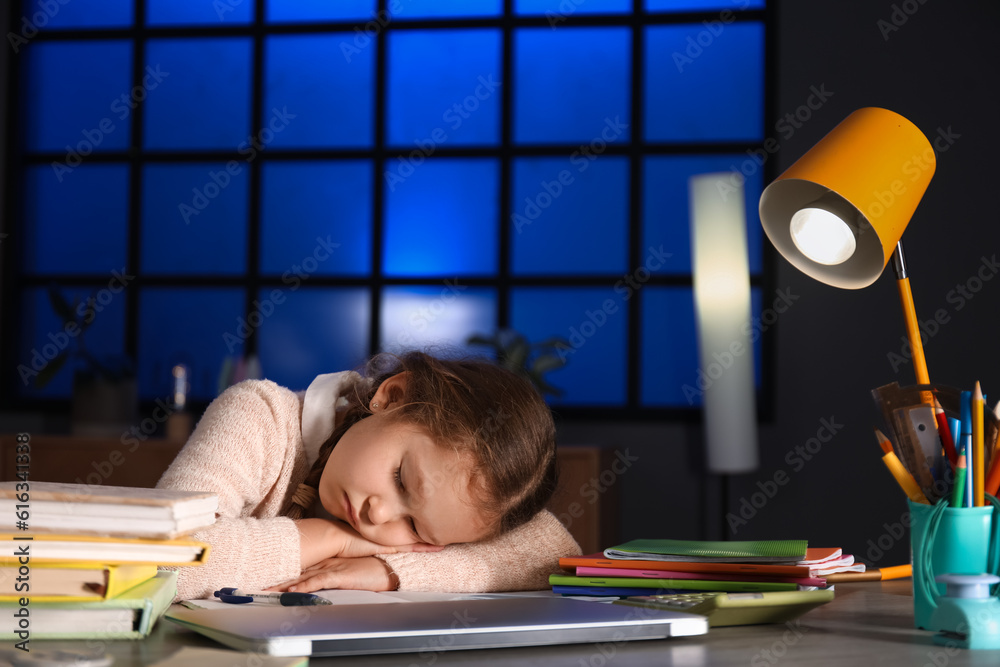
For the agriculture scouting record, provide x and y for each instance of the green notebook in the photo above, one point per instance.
(757, 551)
(131, 615)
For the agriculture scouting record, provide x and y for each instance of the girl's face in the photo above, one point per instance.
(395, 486)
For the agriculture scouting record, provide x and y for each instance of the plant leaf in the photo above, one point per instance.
(50, 369)
(545, 363)
(61, 306)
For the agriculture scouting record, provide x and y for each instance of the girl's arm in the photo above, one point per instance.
(522, 559)
(245, 449)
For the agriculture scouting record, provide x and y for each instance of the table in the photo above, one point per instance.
(867, 623)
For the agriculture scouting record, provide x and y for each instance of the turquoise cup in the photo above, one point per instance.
(948, 540)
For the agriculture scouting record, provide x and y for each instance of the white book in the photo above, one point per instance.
(104, 510)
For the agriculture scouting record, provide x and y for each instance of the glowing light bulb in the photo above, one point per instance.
(822, 236)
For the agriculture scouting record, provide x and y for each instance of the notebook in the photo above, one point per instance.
(340, 630)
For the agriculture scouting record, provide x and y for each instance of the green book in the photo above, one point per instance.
(130, 615)
(687, 584)
(756, 551)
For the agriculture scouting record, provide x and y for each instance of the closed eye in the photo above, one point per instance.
(398, 478)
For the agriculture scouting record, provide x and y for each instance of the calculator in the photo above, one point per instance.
(724, 609)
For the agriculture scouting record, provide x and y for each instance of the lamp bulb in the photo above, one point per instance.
(822, 236)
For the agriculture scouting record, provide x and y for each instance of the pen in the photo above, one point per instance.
(970, 454)
(237, 596)
(958, 491)
(884, 574)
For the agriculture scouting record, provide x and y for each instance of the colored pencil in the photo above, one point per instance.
(945, 433)
(979, 470)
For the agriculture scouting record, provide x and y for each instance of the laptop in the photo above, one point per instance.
(340, 630)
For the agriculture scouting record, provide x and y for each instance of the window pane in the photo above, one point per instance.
(316, 217)
(444, 88)
(310, 332)
(78, 97)
(438, 318)
(316, 94)
(669, 348)
(720, 77)
(87, 212)
(701, 5)
(441, 219)
(46, 14)
(413, 9)
(570, 216)
(198, 12)
(324, 10)
(44, 335)
(667, 212)
(572, 85)
(196, 327)
(670, 374)
(593, 321)
(557, 11)
(199, 106)
(194, 218)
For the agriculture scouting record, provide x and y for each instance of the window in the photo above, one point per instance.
(311, 181)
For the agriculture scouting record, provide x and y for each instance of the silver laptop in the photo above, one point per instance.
(339, 630)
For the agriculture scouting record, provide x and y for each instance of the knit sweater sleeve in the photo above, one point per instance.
(246, 449)
(520, 560)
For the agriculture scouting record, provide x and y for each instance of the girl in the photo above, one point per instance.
(425, 474)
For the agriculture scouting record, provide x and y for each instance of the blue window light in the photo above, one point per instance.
(97, 77)
(702, 5)
(202, 94)
(593, 321)
(444, 88)
(441, 217)
(414, 9)
(308, 331)
(308, 80)
(572, 86)
(324, 10)
(316, 218)
(86, 209)
(666, 208)
(199, 12)
(435, 317)
(720, 77)
(198, 327)
(553, 198)
(194, 218)
(557, 11)
(49, 15)
(668, 375)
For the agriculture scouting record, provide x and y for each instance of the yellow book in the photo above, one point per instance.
(70, 581)
(60, 548)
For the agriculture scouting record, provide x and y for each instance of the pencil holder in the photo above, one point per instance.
(949, 540)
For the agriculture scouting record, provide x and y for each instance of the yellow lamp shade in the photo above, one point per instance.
(839, 211)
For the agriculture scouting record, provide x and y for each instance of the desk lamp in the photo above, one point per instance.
(838, 213)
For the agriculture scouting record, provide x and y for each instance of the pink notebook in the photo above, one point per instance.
(665, 574)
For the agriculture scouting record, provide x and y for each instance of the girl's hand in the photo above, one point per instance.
(367, 574)
(320, 539)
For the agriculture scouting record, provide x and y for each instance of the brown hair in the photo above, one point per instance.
(474, 406)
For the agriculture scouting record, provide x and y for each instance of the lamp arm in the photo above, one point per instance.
(910, 314)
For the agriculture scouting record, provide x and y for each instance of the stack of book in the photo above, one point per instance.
(651, 567)
(81, 561)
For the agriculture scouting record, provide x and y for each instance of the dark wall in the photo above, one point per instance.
(820, 462)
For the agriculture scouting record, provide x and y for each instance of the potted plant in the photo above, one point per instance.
(514, 352)
(104, 399)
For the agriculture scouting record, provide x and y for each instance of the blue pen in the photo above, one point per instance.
(237, 596)
(965, 412)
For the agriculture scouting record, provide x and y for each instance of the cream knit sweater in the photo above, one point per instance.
(248, 447)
